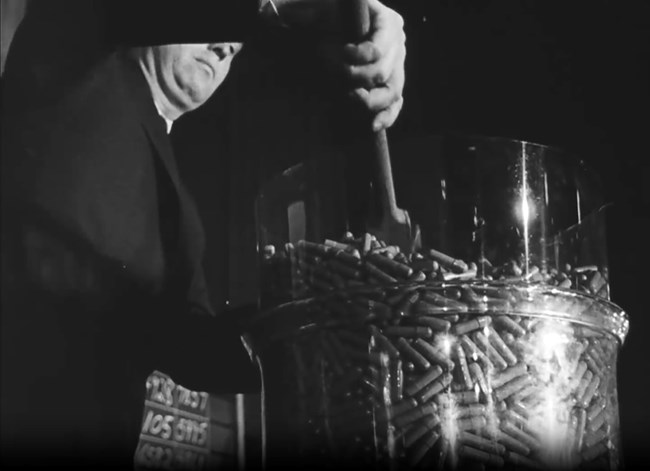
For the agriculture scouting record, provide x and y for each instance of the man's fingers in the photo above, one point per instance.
(385, 118)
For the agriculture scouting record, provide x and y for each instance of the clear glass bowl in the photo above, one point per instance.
(491, 342)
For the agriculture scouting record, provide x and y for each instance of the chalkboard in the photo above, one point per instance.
(185, 429)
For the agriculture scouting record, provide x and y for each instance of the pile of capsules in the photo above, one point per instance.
(427, 361)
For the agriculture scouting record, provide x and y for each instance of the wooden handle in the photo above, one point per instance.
(358, 19)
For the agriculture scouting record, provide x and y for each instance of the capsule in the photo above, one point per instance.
(473, 352)
(481, 456)
(478, 377)
(471, 410)
(416, 386)
(596, 408)
(471, 325)
(582, 386)
(407, 304)
(494, 356)
(396, 381)
(528, 392)
(522, 461)
(590, 391)
(418, 332)
(481, 443)
(423, 448)
(595, 451)
(473, 300)
(520, 408)
(423, 308)
(435, 323)
(413, 415)
(598, 421)
(591, 364)
(471, 423)
(511, 326)
(378, 274)
(432, 354)
(434, 388)
(523, 437)
(383, 343)
(425, 265)
(390, 266)
(512, 443)
(420, 429)
(500, 346)
(398, 409)
(598, 436)
(458, 398)
(462, 363)
(581, 422)
(416, 357)
(455, 265)
(450, 304)
(508, 374)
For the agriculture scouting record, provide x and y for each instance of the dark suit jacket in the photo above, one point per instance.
(101, 248)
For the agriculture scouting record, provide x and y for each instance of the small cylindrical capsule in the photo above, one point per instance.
(433, 354)
(595, 451)
(506, 323)
(382, 343)
(512, 443)
(405, 306)
(473, 300)
(396, 380)
(523, 437)
(596, 408)
(471, 410)
(416, 386)
(582, 386)
(473, 352)
(393, 267)
(378, 274)
(455, 265)
(435, 388)
(419, 430)
(423, 448)
(409, 352)
(598, 436)
(471, 325)
(435, 323)
(408, 331)
(494, 356)
(508, 374)
(590, 391)
(497, 342)
(458, 398)
(343, 269)
(598, 421)
(478, 377)
(463, 367)
(481, 443)
(413, 415)
(471, 423)
(522, 461)
(481, 456)
(398, 409)
(449, 304)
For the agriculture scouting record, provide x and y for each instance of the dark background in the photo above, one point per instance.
(570, 74)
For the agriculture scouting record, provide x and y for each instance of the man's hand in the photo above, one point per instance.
(374, 67)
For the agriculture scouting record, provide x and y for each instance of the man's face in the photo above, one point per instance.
(189, 74)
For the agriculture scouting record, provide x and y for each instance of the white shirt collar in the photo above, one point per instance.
(168, 122)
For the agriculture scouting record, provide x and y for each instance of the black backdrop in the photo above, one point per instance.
(568, 74)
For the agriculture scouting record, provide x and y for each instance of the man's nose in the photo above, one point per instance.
(224, 50)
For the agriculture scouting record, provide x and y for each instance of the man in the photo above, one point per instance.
(102, 245)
